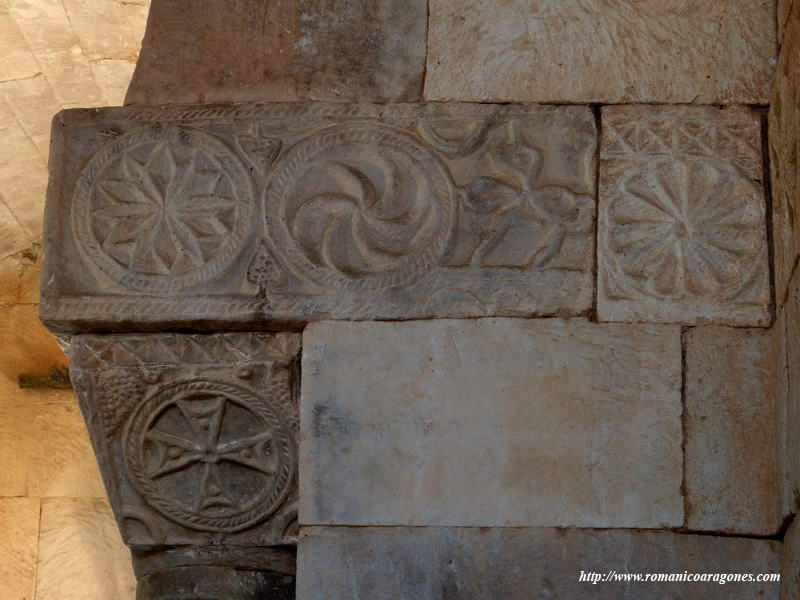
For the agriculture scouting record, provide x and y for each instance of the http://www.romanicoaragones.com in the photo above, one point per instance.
(686, 577)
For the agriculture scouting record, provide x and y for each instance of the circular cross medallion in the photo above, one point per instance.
(360, 206)
(209, 455)
(162, 209)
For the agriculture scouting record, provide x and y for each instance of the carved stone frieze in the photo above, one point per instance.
(682, 232)
(293, 212)
(196, 435)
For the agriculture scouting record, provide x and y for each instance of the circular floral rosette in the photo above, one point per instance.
(360, 207)
(680, 228)
(210, 455)
(161, 209)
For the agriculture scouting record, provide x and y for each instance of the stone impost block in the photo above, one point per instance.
(433, 563)
(606, 51)
(682, 234)
(215, 216)
(731, 385)
(196, 436)
(491, 422)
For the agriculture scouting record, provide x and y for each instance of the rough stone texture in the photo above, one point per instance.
(195, 435)
(216, 583)
(784, 10)
(19, 540)
(44, 449)
(342, 563)
(790, 563)
(730, 414)
(27, 346)
(784, 147)
(80, 536)
(784, 452)
(789, 415)
(295, 49)
(681, 229)
(54, 54)
(369, 212)
(606, 51)
(494, 422)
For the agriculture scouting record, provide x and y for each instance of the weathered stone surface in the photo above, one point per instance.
(195, 435)
(784, 10)
(13, 237)
(432, 563)
(19, 541)
(731, 413)
(606, 51)
(784, 147)
(789, 414)
(216, 583)
(295, 49)
(79, 537)
(221, 216)
(681, 229)
(790, 563)
(494, 422)
(44, 449)
(27, 346)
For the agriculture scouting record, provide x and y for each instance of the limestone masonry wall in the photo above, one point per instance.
(446, 298)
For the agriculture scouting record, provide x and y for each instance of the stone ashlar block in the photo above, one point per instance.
(431, 563)
(214, 216)
(206, 51)
(682, 234)
(491, 422)
(195, 435)
(603, 51)
(731, 387)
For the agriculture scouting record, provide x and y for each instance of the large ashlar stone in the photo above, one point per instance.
(606, 51)
(491, 422)
(19, 544)
(208, 51)
(731, 412)
(81, 556)
(682, 234)
(282, 213)
(195, 435)
(44, 449)
(433, 563)
(784, 147)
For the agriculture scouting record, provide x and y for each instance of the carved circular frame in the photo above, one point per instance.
(216, 151)
(258, 510)
(291, 168)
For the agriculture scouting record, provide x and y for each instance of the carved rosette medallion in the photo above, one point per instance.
(360, 206)
(682, 228)
(210, 455)
(163, 208)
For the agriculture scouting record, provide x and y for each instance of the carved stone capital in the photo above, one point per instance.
(196, 437)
